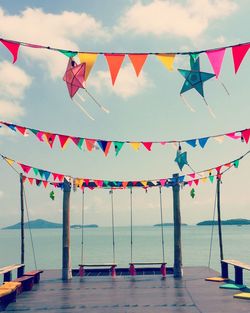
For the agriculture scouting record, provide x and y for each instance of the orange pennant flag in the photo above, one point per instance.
(114, 62)
(90, 143)
(138, 61)
(124, 184)
(135, 145)
(167, 59)
(9, 161)
(89, 59)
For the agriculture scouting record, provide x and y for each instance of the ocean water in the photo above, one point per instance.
(147, 246)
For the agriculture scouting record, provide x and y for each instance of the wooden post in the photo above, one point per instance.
(66, 261)
(177, 228)
(219, 218)
(22, 218)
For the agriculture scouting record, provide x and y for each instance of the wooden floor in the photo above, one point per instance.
(144, 294)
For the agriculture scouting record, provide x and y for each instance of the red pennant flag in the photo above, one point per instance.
(90, 143)
(124, 184)
(138, 61)
(246, 135)
(31, 180)
(25, 168)
(114, 62)
(233, 135)
(196, 181)
(12, 47)
(21, 129)
(60, 177)
(228, 164)
(218, 168)
(23, 178)
(99, 183)
(147, 145)
(239, 53)
(63, 140)
(50, 138)
(107, 148)
(192, 175)
(45, 183)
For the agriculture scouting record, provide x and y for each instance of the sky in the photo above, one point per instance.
(144, 108)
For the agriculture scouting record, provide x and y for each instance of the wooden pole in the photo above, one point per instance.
(66, 261)
(219, 218)
(177, 228)
(22, 218)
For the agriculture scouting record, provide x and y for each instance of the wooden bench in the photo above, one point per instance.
(7, 271)
(112, 267)
(132, 269)
(238, 270)
(27, 282)
(35, 274)
(8, 293)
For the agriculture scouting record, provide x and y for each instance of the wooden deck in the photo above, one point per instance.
(142, 294)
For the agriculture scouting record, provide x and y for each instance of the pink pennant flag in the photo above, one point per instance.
(12, 47)
(147, 145)
(25, 168)
(39, 136)
(218, 168)
(216, 57)
(138, 61)
(233, 135)
(239, 53)
(162, 182)
(190, 182)
(192, 175)
(63, 140)
(246, 135)
(114, 62)
(21, 129)
(99, 183)
(90, 143)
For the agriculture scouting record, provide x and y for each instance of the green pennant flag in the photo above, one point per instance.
(52, 195)
(211, 178)
(36, 171)
(105, 183)
(194, 56)
(69, 54)
(236, 163)
(118, 145)
(80, 143)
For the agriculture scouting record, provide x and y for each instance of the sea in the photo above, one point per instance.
(200, 247)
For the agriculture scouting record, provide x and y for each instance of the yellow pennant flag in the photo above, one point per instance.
(167, 59)
(89, 59)
(144, 183)
(135, 145)
(203, 179)
(9, 161)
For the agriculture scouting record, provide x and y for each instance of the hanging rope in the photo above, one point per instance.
(162, 233)
(113, 224)
(31, 237)
(131, 225)
(82, 241)
(212, 231)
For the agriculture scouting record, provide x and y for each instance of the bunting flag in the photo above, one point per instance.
(114, 62)
(239, 53)
(167, 60)
(13, 48)
(49, 138)
(89, 59)
(81, 183)
(138, 61)
(216, 58)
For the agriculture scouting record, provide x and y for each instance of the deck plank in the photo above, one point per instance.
(145, 294)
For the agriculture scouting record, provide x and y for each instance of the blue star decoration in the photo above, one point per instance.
(181, 159)
(194, 78)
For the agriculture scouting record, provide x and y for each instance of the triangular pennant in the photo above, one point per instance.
(211, 178)
(181, 178)
(41, 173)
(203, 141)
(239, 53)
(218, 168)
(63, 140)
(147, 145)
(124, 184)
(228, 164)
(192, 175)
(25, 168)
(167, 60)
(246, 134)
(104, 145)
(38, 134)
(99, 183)
(118, 145)
(203, 179)
(21, 129)
(138, 61)
(114, 62)
(195, 56)
(60, 177)
(24, 178)
(89, 59)
(30, 180)
(233, 135)
(191, 142)
(50, 138)
(12, 47)
(69, 54)
(35, 170)
(11, 126)
(219, 139)
(216, 58)
(190, 182)
(135, 145)
(78, 141)
(38, 182)
(90, 143)
(45, 183)
(163, 181)
(9, 161)
(196, 181)
(144, 183)
(46, 174)
(236, 163)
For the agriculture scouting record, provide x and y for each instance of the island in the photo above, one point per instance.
(236, 221)
(43, 224)
(168, 224)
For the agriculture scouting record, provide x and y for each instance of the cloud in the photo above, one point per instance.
(1, 193)
(170, 18)
(55, 30)
(13, 84)
(127, 83)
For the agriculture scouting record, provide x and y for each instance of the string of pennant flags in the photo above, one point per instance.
(189, 179)
(104, 145)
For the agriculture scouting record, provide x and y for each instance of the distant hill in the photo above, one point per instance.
(236, 221)
(168, 224)
(43, 224)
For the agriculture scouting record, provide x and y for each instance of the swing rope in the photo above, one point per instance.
(131, 225)
(113, 226)
(162, 233)
(82, 241)
(212, 231)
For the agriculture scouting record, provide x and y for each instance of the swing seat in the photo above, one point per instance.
(112, 267)
(132, 269)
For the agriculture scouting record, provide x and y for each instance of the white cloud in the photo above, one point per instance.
(127, 83)
(1, 193)
(169, 17)
(55, 30)
(11, 110)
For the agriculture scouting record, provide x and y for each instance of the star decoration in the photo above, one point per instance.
(181, 159)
